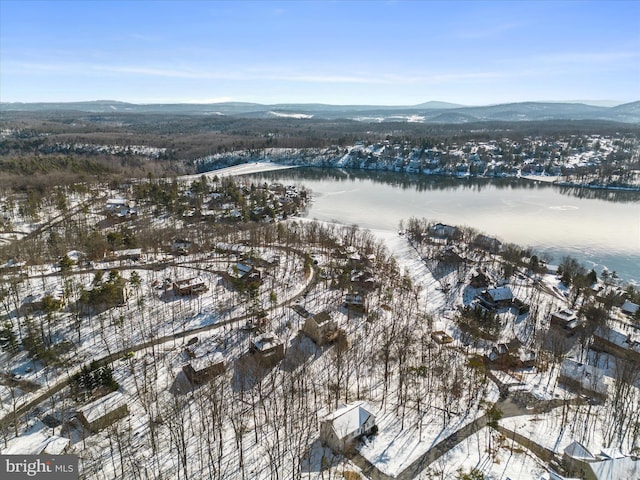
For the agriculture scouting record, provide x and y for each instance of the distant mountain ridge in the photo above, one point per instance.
(429, 112)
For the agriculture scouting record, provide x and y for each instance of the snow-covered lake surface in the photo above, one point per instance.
(599, 228)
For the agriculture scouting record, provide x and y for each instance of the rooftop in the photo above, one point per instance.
(98, 408)
(349, 418)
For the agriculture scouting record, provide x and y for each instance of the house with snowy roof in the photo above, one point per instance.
(321, 328)
(267, 348)
(496, 297)
(342, 428)
(444, 232)
(37, 443)
(583, 379)
(607, 465)
(204, 367)
(189, 286)
(616, 343)
(565, 320)
(629, 308)
(103, 412)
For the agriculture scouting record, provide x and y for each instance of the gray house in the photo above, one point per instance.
(342, 428)
(103, 412)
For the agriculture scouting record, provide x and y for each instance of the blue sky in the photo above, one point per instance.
(339, 52)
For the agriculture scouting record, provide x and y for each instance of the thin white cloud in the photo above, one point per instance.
(587, 57)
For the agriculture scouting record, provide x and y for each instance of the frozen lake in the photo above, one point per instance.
(599, 228)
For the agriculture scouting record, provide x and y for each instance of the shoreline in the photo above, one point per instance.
(262, 166)
(247, 168)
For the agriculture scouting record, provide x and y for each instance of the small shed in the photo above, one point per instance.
(103, 412)
(342, 428)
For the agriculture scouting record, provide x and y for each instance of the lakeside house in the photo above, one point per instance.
(444, 232)
(103, 412)
(342, 428)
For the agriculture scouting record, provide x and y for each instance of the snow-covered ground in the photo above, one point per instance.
(253, 422)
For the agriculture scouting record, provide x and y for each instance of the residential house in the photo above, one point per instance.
(267, 348)
(342, 428)
(616, 343)
(36, 302)
(566, 321)
(12, 265)
(511, 355)
(629, 308)
(480, 279)
(37, 443)
(247, 273)
(120, 208)
(441, 337)
(204, 367)
(496, 298)
(103, 412)
(190, 286)
(116, 204)
(583, 379)
(354, 300)
(444, 232)
(450, 254)
(487, 243)
(321, 328)
(607, 465)
(132, 254)
(498, 353)
(180, 246)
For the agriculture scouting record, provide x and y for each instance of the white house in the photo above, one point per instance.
(607, 465)
(340, 429)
